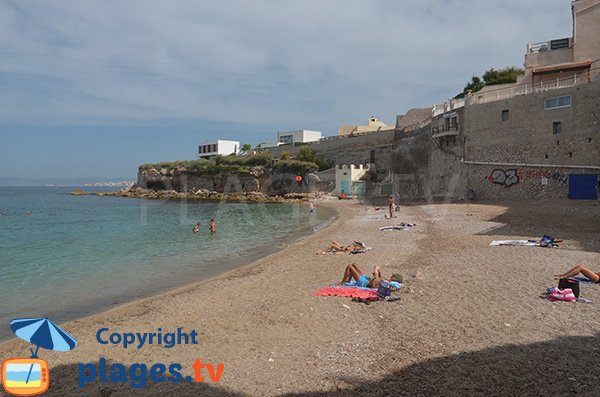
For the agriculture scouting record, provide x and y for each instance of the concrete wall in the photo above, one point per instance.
(528, 137)
(422, 169)
(491, 182)
(350, 150)
(587, 29)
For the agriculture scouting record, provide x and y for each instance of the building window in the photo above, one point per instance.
(557, 102)
(556, 127)
(286, 138)
(505, 115)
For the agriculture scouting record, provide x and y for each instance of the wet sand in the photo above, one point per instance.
(469, 322)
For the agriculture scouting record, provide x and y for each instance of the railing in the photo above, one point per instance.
(549, 45)
(525, 89)
(351, 135)
(449, 106)
(444, 128)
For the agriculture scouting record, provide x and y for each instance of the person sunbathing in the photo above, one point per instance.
(354, 273)
(335, 246)
(593, 276)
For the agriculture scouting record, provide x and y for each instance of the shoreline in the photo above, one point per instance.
(206, 195)
(92, 308)
(274, 338)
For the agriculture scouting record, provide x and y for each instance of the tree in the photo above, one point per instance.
(492, 77)
(286, 156)
(309, 155)
(246, 147)
(502, 76)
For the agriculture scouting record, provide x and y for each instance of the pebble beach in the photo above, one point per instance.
(469, 321)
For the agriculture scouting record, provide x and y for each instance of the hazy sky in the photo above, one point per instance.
(94, 88)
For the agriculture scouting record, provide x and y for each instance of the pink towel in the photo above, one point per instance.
(349, 292)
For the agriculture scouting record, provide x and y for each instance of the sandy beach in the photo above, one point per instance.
(469, 322)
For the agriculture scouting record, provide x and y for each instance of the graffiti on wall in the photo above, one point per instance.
(504, 177)
(540, 174)
(512, 177)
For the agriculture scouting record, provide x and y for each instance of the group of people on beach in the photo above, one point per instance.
(212, 226)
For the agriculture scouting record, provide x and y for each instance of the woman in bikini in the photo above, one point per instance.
(593, 276)
(337, 247)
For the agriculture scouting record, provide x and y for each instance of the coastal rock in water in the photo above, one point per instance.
(79, 192)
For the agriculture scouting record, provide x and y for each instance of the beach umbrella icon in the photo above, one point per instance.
(42, 333)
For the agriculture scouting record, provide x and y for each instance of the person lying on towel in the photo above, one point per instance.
(593, 276)
(335, 246)
(354, 274)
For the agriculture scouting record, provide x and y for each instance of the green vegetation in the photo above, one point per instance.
(231, 164)
(295, 167)
(306, 161)
(492, 77)
(307, 154)
(246, 147)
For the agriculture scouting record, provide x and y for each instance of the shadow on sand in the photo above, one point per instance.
(564, 366)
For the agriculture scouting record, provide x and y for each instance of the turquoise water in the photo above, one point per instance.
(66, 256)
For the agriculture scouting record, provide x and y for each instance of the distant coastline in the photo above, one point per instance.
(50, 182)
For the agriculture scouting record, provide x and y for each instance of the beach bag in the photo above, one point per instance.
(564, 283)
(556, 294)
(384, 289)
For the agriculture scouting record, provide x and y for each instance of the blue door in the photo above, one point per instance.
(345, 185)
(583, 187)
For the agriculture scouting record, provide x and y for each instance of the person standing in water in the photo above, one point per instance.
(213, 226)
(196, 228)
(312, 208)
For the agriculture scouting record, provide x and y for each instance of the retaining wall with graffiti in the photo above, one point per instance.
(519, 183)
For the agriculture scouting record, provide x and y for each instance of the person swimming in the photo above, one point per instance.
(196, 228)
(213, 226)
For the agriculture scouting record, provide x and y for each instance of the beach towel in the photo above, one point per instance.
(349, 292)
(583, 280)
(394, 227)
(515, 242)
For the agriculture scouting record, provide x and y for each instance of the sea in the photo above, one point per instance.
(64, 256)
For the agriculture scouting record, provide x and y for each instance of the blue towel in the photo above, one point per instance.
(395, 284)
(583, 280)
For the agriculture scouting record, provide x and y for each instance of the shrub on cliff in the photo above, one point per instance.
(295, 167)
(307, 154)
(260, 159)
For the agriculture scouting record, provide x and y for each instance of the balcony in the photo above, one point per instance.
(444, 130)
(549, 45)
(449, 106)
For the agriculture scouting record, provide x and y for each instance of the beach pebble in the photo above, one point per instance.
(346, 306)
(271, 360)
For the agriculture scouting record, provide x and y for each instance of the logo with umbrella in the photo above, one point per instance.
(31, 376)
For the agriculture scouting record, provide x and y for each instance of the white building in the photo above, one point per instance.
(347, 179)
(209, 150)
(268, 145)
(300, 136)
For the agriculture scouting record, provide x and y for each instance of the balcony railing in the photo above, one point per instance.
(444, 130)
(449, 106)
(525, 89)
(549, 45)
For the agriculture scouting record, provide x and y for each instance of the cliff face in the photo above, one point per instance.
(185, 181)
(256, 181)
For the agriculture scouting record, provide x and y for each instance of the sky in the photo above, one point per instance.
(94, 88)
